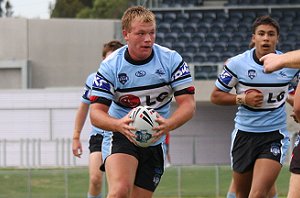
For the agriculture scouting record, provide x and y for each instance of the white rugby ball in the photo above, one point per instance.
(143, 120)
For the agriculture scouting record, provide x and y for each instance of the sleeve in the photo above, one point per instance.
(85, 98)
(180, 76)
(103, 83)
(227, 79)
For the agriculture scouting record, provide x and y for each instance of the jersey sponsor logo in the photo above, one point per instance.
(283, 75)
(123, 78)
(130, 100)
(226, 77)
(160, 72)
(183, 70)
(100, 82)
(140, 73)
(251, 73)
(275, 149)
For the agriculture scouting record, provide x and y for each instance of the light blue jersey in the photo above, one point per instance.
(244, 72)
(86, 99)
(151, 82)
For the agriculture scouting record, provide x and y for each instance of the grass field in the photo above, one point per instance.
(180, 182)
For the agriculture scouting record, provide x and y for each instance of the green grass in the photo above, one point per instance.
(187, 181)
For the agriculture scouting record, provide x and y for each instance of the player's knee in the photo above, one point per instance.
(123, 190)
(258, 194)
(96, 180)
(120, 192)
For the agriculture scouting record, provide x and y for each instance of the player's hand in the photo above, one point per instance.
(254, 98)
(271, 62)
(162, 129)
(122, 126)
(77, 148)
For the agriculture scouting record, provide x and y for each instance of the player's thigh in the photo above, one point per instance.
(265, 174)
(294, 188)
(120, 169)
(95, 161)
(141, 193)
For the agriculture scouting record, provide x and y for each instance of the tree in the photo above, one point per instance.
(110, 9)
(66, 8)
(90, 8)
(8, 9)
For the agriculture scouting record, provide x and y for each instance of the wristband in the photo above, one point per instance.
(240, 99)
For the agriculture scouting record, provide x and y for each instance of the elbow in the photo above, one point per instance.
(297, 113)
(93, 117)
(213, 98)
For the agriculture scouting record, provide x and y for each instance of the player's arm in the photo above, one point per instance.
(297, 103)
(273, 62)
(252, 98)
(185, 110)
(220, 97)
(101, 119)
(79, 123)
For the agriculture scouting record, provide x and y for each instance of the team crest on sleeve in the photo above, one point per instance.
(101, 83)
(225, 77)
(251, 73)
(182, 71)
(123, 78)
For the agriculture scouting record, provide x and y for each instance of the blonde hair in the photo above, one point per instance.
(139, 12)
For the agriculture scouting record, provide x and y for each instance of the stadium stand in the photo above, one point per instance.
(215, 33)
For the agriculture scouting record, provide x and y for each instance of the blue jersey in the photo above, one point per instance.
(151, 82)
(244, 72)
(86, 99)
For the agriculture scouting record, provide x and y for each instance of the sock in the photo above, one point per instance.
(91, 196)
(230, 195)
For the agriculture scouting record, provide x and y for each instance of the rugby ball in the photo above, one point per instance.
(143, 121)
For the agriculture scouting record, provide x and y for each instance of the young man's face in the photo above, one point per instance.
(265, 39)
(140, 39)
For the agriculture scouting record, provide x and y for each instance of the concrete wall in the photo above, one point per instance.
(60, 52)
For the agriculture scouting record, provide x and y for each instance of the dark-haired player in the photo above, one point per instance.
(260, 139)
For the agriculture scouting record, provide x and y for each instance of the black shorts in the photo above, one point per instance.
(248, 147)
(95, 143)
(151, 159)
(295, 161)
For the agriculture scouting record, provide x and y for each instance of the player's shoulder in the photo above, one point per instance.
(239, 59)
(90, 79)
(166, 53)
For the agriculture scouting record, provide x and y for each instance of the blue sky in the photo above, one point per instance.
(31, 8)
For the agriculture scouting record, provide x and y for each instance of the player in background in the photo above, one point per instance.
(273, 62)
(260, 139)
(95, 141)
(232, 189)
(140, 73)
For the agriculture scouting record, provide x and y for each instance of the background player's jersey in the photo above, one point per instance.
(151, 82)
(245, 72)
(85, 98)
